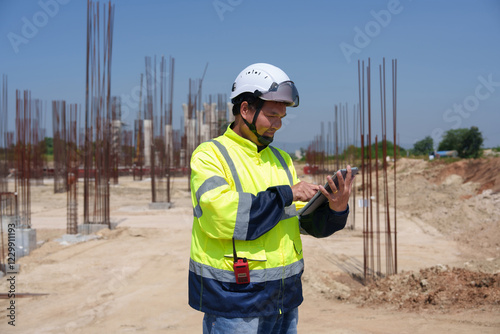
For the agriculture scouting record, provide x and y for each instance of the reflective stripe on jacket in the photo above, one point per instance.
(238, 192)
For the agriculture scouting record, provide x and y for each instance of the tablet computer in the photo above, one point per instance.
(319, 198)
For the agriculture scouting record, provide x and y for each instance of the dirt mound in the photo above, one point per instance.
(460, 200)
(435, 288)
(485, 172)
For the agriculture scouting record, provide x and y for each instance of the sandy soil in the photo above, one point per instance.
(134, 278)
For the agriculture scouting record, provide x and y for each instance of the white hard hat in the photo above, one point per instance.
(267, 82)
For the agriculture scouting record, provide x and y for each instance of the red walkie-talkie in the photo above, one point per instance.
(240, 266)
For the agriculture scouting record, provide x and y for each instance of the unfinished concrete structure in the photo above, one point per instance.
(4, 148)
(98, 119)
(157, 131)
(334, 148)
(379, 225)
(27, 111)
(205, 124)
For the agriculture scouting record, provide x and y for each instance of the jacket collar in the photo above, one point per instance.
(244, 143)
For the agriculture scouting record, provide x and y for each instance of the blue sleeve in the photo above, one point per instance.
(266, 210)
(323, 222)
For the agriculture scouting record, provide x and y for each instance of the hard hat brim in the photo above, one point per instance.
(285, 92)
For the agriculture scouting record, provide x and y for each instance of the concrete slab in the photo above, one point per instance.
(160, 205)
(70, 239)
(93, 228)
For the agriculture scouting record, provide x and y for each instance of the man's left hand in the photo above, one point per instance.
(339, 198)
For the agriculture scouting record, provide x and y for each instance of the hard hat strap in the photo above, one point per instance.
(263, 140)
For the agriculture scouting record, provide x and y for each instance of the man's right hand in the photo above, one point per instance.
(304, 191)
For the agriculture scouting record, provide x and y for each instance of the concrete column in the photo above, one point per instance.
(147, 142)
(230, 116)
(25, 241)
(169, 141)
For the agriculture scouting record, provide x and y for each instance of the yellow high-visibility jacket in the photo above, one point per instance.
(242, 194)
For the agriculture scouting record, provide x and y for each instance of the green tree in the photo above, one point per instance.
(470, 145)
(389, 148)
(452, 139)
(424, 146)
(49, 146)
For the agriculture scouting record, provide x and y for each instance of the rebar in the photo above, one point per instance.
(157, 136)
(8, 200)
(394, 128)
(169, 140)
(72, 164)
(59, 145)
(372, 243)
(98, 115)
(116, 139)
(139, 140)
(4, 149)
(23, 155)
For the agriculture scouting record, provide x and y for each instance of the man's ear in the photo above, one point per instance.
(244, 109)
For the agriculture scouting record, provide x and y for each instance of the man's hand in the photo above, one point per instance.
(304, 191)
(339, 198)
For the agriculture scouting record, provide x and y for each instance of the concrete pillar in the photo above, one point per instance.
(211, 120)
(191, 136)
(25, 241)
(182, 158)
(199, 127)
(6, 220)
(230, 116)
(147, 142)
(115, 132)
(169, 140)
(205, 132)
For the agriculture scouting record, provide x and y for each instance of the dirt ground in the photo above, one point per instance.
(134, 278)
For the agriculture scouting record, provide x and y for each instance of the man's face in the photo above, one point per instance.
(270, 118)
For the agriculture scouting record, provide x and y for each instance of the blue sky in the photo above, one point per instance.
(448, 55)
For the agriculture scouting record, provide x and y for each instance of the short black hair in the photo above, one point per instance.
(252, 100)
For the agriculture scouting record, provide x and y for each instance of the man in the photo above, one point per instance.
(246, 253)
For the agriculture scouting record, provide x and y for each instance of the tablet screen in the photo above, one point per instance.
(319, 198)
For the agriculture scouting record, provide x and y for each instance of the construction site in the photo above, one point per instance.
(96, 222)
